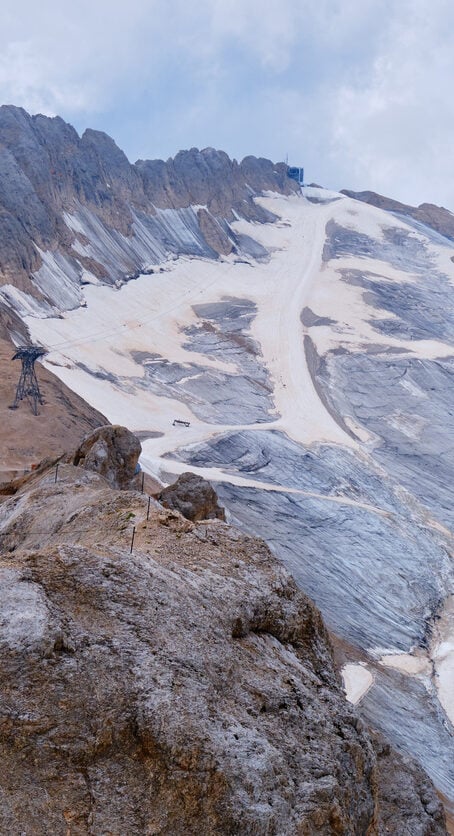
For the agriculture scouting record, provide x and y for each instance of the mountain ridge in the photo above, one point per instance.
(49, 175)
(435, 217)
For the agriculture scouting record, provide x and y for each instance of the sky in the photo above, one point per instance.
(359, 92)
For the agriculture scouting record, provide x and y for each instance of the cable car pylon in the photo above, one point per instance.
(28, 386)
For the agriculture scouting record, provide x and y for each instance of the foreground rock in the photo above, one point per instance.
(406, 795)
(186, 688)
(193, 497)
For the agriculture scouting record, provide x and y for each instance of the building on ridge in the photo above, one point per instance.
(296, 173)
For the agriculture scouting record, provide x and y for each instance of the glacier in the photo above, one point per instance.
(317, 383)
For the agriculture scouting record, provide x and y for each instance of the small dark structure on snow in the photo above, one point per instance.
(28, 383)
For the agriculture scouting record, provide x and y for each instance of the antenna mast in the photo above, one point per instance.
(28, 383)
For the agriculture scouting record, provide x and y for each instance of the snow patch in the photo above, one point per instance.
(357, 681)
(413, 664)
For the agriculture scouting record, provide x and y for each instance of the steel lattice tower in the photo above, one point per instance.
(28, 383)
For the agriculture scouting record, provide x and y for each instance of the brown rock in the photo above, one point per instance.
(186, 688)
(213, 233)
(193, 497)
(408, 803)
(111, 451)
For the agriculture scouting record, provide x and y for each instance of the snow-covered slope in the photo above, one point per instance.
(317, 383)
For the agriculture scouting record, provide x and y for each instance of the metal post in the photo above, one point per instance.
(132, 538)
(148, 509)
(56, 472)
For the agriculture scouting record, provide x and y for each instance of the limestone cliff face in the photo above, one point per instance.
(186, 688)
(212, 179)
(73, 209)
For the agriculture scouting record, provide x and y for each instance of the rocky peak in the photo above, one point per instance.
(120, 179)
(210, 178)
(36, 143)
(262, 175)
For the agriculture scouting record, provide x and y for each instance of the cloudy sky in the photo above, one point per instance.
(357, 91)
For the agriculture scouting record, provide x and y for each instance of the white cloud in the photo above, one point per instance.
(394, 132)
(32, 81)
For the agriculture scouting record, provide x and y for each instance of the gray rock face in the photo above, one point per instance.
(209, 178)
(342, 554)
(213, 233)
(409, 409)
(187, 688)
(81, 199)
(399, 247)
(112, 452)
(419, 813)
(222, 331)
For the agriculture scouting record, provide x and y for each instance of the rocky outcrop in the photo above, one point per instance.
(210, 178)
(73, 209)
(193, 497)
(436, 217)
(112, 452)
(405, 792)
(213, 233)
(186, 688)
